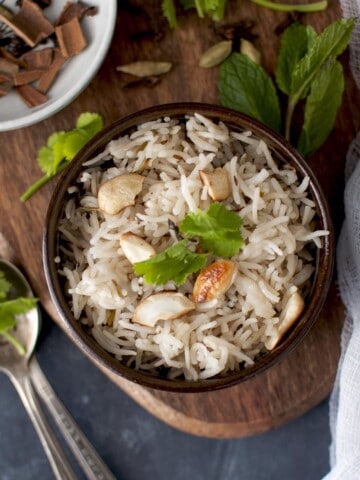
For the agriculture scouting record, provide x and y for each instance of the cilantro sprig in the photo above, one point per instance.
(218, 233)
(175, 263)
(307, 69)
(9, 309)
(218, 230)
(62, 147)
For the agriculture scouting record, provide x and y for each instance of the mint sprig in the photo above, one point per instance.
(215, 9)
(245, 86)
(306, 69)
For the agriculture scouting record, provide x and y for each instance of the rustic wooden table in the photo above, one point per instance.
(306, 376)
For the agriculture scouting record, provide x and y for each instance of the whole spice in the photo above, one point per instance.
(216, 54)
(145, 68)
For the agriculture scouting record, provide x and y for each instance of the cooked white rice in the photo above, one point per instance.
(276, 260)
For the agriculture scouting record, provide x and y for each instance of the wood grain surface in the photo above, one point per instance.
(306, 376)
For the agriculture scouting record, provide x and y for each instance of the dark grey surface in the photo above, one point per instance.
(136, 445)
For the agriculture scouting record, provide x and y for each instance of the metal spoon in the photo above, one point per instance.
(16, 366)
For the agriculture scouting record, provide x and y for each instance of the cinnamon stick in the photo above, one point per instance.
(71, 38)
(30, 95)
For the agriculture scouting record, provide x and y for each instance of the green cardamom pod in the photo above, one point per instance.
(145, 68)
(216, 54)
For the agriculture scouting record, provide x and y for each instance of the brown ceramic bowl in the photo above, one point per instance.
(236, 121)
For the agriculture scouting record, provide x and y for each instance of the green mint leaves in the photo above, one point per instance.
(169, 11)
(215, 9)
(9, 309)
(295, 43)
(245, 86)
(306, 69)
(218, 232)
(329, 44)
(62, 147)
(320, 112)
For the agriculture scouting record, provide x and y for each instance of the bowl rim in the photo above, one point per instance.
(233, 119)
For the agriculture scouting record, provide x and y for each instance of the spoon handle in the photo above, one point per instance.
(91, 463)
(59, 464)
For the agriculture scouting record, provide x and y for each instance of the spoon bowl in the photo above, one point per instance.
(24, 372)
(27, 326)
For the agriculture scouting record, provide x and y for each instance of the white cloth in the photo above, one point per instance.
(345, 398)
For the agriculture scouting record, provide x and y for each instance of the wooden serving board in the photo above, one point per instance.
(306, 376)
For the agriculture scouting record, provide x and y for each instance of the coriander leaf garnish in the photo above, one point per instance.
(62, 147)
(295, 42)
(175, 263)
(218, 230)
(320, 113)
(9, 309)
(245, 86)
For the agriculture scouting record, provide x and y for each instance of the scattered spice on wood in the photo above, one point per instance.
(70, 37)
(145, 68)
(28, 67)
(141, 82)
(31, 96)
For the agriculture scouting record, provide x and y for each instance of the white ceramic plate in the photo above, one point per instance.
(75, 75)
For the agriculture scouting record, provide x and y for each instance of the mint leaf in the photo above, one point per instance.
(330, 43)
(218, 229)
(214, 8)
(186, 4)
(4, 286)
(169, 11)
(321, 107)
(175, 263)
(295, 42)
(246, 87)
(293, 7)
